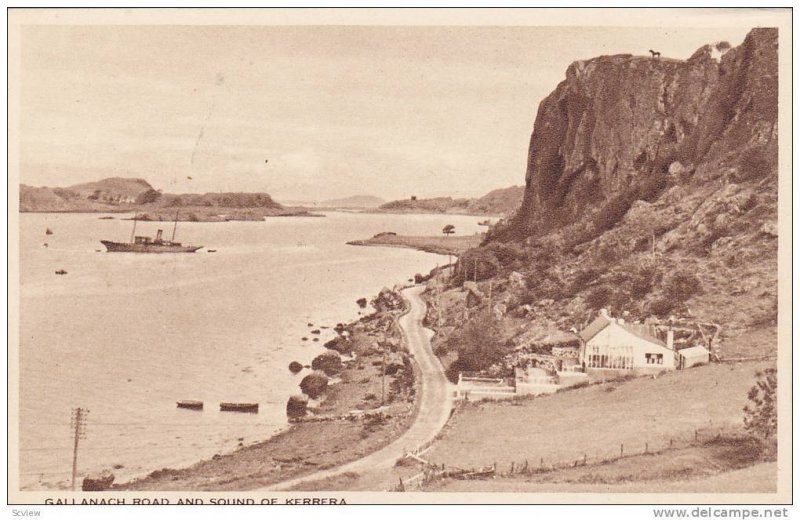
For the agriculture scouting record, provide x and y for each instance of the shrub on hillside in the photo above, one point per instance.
(643, 280)
(600, 297)
(507, 253)
(661, 307)
(682, 286)
(761, 412)
(753, 165)
(478, 343)
(585, 278)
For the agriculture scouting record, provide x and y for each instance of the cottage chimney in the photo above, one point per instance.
(670, 339)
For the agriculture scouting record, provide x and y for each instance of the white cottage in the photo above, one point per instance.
(609, 344)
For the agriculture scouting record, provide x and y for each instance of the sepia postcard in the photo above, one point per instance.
(399, 256)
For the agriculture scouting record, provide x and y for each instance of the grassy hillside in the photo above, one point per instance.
(567, 425)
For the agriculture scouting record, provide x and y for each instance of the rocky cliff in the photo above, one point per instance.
(625, 128)
(651, 191)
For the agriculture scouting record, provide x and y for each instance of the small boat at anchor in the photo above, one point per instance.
(191, 405)
(239, 407)
(61, 272)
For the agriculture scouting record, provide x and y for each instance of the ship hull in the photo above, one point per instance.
(127, 247)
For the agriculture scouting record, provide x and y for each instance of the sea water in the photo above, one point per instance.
(127, 335)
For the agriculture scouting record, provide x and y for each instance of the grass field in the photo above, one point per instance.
(595, 420)
(758, 478)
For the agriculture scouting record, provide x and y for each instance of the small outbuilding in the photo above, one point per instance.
(693, 356)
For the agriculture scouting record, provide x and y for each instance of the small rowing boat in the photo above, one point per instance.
(239, 407)
(191, 405)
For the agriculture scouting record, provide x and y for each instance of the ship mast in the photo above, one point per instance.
(175, 227)
(133, 233)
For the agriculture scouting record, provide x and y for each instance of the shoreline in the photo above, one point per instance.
(189, 216)
(454, 245)
(327, 439)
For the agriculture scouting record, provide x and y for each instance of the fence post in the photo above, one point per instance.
(584, 459)
(512, 467)
(621, 450)
(670, 442)
(541, 462)
(645, 447)
(695, 434)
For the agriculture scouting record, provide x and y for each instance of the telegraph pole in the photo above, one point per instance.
(78, 424)
(383, 375)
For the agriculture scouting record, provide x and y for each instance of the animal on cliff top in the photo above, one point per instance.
(655, 54)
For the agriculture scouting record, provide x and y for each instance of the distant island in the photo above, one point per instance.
(125, 195)
(501, 202)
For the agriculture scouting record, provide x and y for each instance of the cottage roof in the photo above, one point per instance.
(645, 332)
(594, 327)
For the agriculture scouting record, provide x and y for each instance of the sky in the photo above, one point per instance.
(303, 113)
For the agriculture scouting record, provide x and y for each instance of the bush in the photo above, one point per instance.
(661, 307)
(754, 165)
(507, 253)
(761, 413)
(600, 297)
(585, 278)
(478, 343)
(682, 286)
(643, 281)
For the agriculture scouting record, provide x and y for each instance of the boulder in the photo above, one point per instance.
(340, 344)
(297, 406)
(98, 482)
(314, 384)
(295, 367)
(329, 362)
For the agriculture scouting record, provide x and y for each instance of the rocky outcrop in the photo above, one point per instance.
(99, 482)
(328, 362)
(624, 128)
(296, 406)
(314, 384)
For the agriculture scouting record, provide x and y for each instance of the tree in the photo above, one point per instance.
(761, 413)
(449, 229)
(479, 343)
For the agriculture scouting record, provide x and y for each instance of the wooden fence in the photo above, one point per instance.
(539, 464)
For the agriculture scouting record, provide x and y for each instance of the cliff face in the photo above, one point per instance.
(626, 128)
(651, 191)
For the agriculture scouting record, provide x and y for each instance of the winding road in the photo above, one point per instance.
(435, 394)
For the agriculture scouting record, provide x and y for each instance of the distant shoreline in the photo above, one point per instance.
(454, 245)
(188, 216)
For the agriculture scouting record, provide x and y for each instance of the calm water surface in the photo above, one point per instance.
(127, 335)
